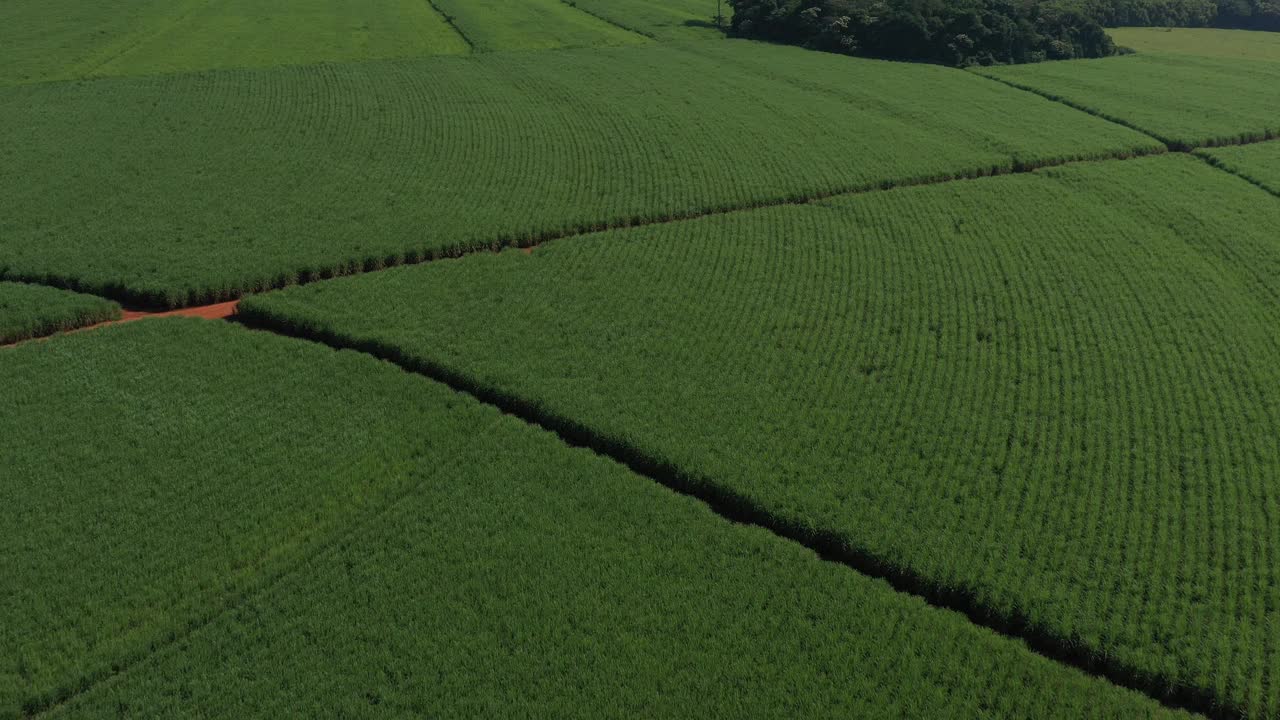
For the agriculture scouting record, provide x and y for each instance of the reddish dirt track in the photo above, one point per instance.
(218, 311)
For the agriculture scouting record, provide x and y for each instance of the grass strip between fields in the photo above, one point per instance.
(377, 543)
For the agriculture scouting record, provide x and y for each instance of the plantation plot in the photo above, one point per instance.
(28, 311)
(1051, 397)
(233, 523)
(1260, 163)
(1206, 42)
(1185, 101)
(662, 19)
(153, 471)
(63, 39)
(531, 25)
(192, 189)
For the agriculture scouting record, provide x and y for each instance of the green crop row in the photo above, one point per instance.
(1049, 398)
(204, 520)
(1185, 101)
(1259, 163)
(29, 311)
(184, 189)
(43, 40)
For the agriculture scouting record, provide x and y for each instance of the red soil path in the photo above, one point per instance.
(218, 311)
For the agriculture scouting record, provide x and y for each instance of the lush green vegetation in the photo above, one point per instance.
(951, 32)
(1050, 397)
(173, 190)
(1259, 164)
(981, 32)
(28, 311)
(531, 25)
(86, 39)
(1185, 101)
(1156, 13)
(236, 502)
(1249, 14)
(663, 19)
(1047, 401)
(1206, 42)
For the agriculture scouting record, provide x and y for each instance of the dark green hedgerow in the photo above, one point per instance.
(981, 32)
(951, 32)
(204, 520)
(1243, 14)
(1047, 400)
(196, 188)
(30, 311)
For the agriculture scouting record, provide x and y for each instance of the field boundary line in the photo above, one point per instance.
(343, 532)
(353, 266)
(122, 294)
(1173, 145)
(215, 311)
(603, 19)
(144, 38)
(736, 507)
(1179, 146)
(1220, 165)
(448, 19)
(1193, 149)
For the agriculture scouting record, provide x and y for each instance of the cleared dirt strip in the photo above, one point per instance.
(217, 311)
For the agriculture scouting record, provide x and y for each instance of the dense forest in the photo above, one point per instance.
(981, 32)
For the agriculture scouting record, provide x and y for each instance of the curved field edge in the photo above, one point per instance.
(546, 144)
(477, 360)
(34, 311)
(513, 517)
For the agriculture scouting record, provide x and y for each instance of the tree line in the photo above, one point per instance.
(980, 32)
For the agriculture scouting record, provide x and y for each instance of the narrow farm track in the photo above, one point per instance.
(216, 311)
